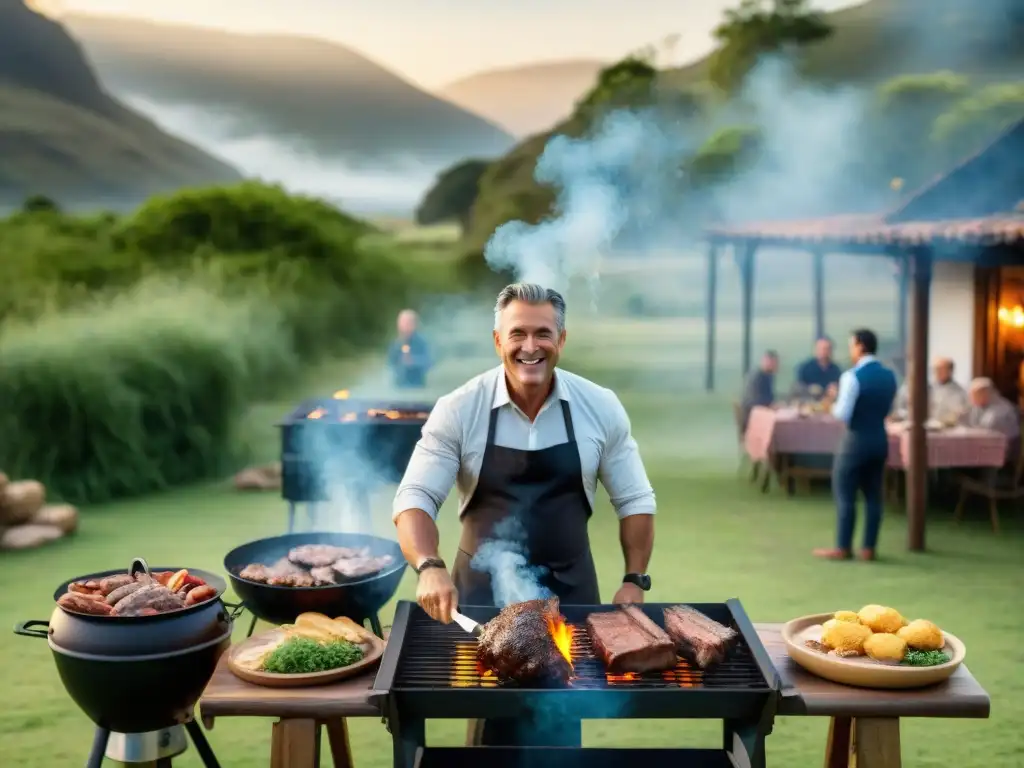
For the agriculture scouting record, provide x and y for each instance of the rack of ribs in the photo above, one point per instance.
(517, 644)
(628, 641)
(701, 640)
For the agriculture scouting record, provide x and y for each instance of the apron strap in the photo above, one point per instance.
(570, 433)
(491, 426)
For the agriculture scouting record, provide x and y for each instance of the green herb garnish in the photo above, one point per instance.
(300, 655)
(924, 658)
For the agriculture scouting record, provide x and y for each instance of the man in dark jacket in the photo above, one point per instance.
(816, 374)
(409, 355)
(863, 401)
(760, 386)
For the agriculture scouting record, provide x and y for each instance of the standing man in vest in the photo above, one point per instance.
(525, 445)
(865, 397)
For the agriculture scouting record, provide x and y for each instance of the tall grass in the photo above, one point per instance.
(137, 394)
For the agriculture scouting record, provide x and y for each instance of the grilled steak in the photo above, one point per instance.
(354, 567)
(152, 597)
(110, 583)
(123, 591)
(321, 555)
(323, 575)
(698, 638)
(517, 644)
(628, 641)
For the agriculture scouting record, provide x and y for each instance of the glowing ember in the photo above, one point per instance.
(317, 414)
(561, 633)
(405, 349)
(341, 394)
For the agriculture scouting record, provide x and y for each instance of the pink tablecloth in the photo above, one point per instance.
(786, 432)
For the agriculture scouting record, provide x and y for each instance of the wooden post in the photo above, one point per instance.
(902, 301)
(747, 273)
(710, 307)
(819, 294)
(917, 469)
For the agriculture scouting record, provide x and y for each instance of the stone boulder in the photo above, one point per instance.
(20, 501)
(262, 478)
(29, 536)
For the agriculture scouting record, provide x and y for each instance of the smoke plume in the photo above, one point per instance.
(505, 559)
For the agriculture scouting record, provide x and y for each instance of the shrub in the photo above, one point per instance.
(136, 395)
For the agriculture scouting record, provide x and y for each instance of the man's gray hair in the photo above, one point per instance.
(531, 293)
(981, 383)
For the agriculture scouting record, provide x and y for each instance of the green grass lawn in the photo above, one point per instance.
(717, 537)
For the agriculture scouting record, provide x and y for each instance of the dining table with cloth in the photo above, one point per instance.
(774, 434)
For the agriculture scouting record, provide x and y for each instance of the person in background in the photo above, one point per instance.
(815, 375)
(863, 401)
(901, 405)
(990, 410)
(947, 400)
(760, 386)
(409, 355)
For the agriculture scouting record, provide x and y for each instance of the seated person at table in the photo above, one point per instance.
(409, 356)
(760, 386)
(815, 375)
(990, 410)
(947, 400)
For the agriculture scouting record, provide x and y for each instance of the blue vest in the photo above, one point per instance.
(865, 434)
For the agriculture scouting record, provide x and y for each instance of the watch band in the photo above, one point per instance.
(641, 580)
(431, 562)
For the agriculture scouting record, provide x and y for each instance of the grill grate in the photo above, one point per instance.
(438, 656)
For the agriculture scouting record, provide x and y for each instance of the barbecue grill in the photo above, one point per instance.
(338, 444)
(431, 670)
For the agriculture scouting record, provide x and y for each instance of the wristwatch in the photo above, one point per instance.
(642, 580)
(430, 562)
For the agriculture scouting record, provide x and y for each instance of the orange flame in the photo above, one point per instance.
(317, 414)
(341, 394)
(561, 633)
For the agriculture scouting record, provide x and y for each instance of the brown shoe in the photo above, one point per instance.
(866, 554)
(833, 553)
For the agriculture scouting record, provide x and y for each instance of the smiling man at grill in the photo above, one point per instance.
(525, 446)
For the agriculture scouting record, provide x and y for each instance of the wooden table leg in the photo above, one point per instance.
(839, 744)
(295, 744)
(337, 737)
(876, 742)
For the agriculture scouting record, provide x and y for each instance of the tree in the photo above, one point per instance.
(758, 27)
(627, 83)
(39, 204)
(975, 120)
(453, 194)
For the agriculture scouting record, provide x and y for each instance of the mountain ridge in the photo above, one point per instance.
(313, 92)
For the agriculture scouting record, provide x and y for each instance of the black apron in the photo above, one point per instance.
(543, 492)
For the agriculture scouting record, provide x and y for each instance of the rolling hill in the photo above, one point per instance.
(62, 135)
(871, 43)
(525, 99)
(320, 96)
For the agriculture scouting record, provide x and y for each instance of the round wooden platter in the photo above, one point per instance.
(860, 671)
(373, 650)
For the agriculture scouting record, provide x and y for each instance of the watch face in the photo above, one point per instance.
(645, 582)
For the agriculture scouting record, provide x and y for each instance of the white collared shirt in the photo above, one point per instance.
(451, 449)
(849, 390)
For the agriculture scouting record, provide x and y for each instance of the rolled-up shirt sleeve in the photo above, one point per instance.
(434, 465)
(621, 470)
(849, 390)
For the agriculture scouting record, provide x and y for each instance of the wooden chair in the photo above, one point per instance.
(1001, 487)
(755, 466)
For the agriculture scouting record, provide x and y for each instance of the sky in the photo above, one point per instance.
(434, 42)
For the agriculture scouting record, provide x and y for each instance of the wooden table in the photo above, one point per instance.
(295, 740)
(864, 724)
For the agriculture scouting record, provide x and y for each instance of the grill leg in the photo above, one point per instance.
(99, 747)
(744, 737)
(252, 626)
(291, 517)
(375, 626)
(313, 513)
(406, 737)
(195, 730)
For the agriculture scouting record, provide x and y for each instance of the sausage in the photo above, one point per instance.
(200, 595)
(121, 593)
(80, 603)
(111, 583)
(84, 587)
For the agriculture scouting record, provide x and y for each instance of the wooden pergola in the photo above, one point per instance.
(969, 215)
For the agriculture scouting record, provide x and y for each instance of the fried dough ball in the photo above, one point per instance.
(922, 635)
(844, 637)
(846, 616)
(879, 618)
(885, 647)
